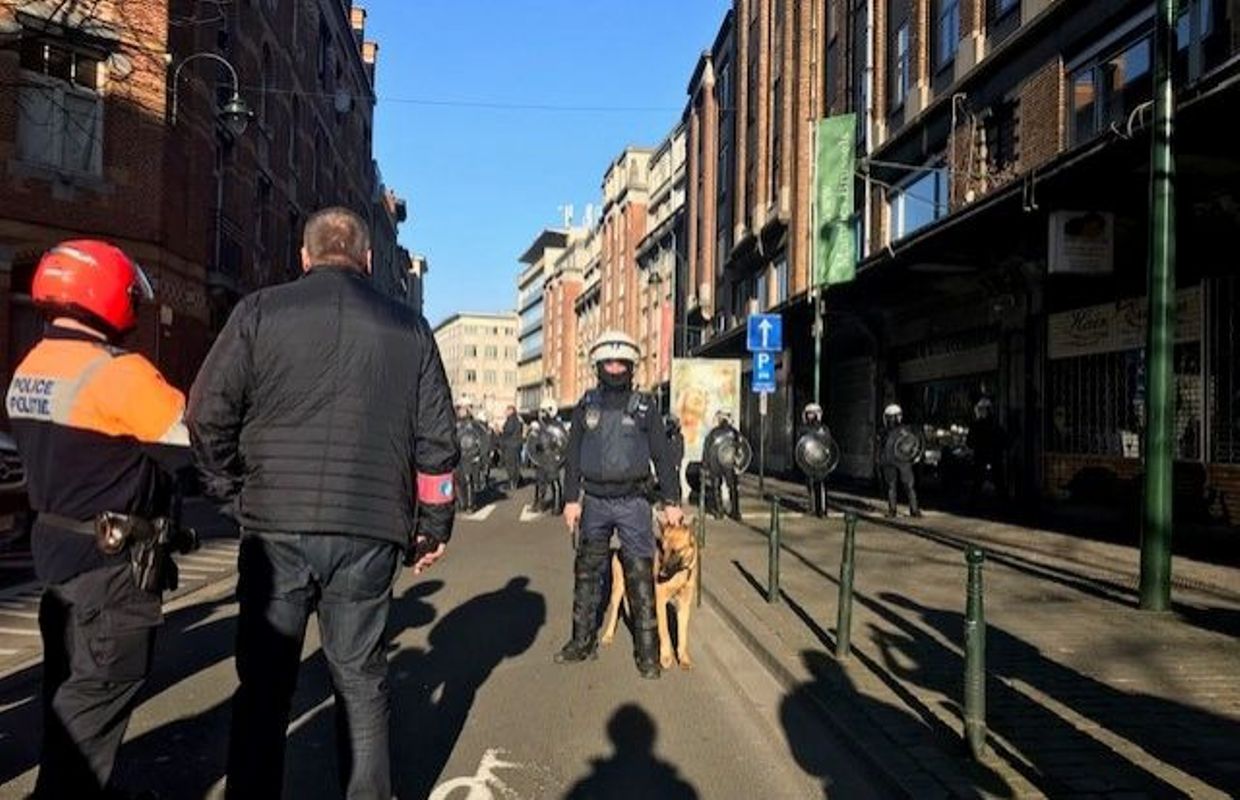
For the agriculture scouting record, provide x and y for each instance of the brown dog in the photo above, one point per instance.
(676, 576)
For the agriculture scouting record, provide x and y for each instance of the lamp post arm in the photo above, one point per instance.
(176, 77)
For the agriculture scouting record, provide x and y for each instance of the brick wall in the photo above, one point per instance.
(1042, 110)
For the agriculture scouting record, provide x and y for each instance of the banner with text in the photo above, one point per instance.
(835, 248)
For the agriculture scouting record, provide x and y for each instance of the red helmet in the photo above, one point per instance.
(93, 280)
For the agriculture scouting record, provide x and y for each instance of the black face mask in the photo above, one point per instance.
(622, 381)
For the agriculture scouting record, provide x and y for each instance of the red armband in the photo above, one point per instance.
(436, 490)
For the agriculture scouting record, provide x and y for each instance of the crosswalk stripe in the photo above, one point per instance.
(19, 632)
(529, 515)
(481, 514)
(8, 612)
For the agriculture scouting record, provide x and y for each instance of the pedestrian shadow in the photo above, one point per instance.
(1190, 739)
(633, 770)
(432, 690)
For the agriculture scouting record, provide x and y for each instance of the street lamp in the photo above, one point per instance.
(235, 114)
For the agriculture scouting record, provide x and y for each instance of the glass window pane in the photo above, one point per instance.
(33, 56)
(86, 73)
(1083, 105)
(59, 63)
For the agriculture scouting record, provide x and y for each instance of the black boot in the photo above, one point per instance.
(587, 598)
(639, 585)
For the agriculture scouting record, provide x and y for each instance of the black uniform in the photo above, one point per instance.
(475, 442)
(98, 431)
(546, 449)
(817, 488)
(615, 435)
(510, 441)
(896, 470)
(988, 441)
(716, 477)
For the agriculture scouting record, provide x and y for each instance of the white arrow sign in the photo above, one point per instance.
(765, 326)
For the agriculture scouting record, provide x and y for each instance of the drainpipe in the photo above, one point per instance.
(866, 212)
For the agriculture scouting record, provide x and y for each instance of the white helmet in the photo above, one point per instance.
(549, 407)
(482, 416)
(812, 408)
(985, 404)
(615, 346)
(464, 400)
(893, 410)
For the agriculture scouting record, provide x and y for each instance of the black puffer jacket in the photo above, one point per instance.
(317, 405)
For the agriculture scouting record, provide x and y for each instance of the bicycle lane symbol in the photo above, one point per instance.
(482, 785)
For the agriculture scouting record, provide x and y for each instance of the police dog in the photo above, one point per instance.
(676, 577)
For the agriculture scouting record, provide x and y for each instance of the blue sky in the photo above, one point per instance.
(481, 181)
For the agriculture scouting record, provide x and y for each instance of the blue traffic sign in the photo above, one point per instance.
(766, 333)
(763, 373)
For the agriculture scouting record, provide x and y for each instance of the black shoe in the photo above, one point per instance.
(915, 513)
(575, 652)
(890, 513)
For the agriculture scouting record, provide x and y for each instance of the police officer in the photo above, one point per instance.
(540, 441)
(895, 461)
(614, 436)
(988, 442)
(474, 447)
(812, 425)
(717, 474)
(100, 433)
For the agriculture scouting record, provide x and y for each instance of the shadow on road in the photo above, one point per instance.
(633, 770)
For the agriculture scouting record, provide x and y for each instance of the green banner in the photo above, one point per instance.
(835, 248)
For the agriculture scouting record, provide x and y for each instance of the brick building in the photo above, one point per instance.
(89, 146)
(1002, 223)
(588, 308)
(626, 202)
(537, 266)
(658, 257)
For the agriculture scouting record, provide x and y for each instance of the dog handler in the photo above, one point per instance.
(616, 433)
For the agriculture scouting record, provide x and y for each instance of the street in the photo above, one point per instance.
(479, 708)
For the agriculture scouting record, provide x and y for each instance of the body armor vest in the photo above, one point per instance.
(615, 444)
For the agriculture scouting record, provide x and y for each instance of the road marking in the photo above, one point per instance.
(8, 612)
(483, 784)
(309, 715)
(529, 515)
(18, 632)
(208, 559)
(7, 651)
(481, 514)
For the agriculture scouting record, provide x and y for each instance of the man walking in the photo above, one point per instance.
(616, 434)
(319, 409)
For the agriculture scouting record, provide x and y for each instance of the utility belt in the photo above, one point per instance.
(613, 490)
(149, 543)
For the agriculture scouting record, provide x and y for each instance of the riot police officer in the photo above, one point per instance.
(816, 481)
(988, 442)
(900, 447)
(717, 474)
(545, 446)
(474, 440)
(100, 433)
(614, 436)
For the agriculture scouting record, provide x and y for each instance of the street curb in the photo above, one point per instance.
(862, 736)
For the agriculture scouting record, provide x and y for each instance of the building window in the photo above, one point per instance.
(899, 66)
(60, 119)
(492, 351)
(917, 203)
(471, 351)
(1002, 132)
(1107, 91)
(471, 376)
(1000, 8)
(947, 33)
(488, 377)
(783, 288)
(762, 289)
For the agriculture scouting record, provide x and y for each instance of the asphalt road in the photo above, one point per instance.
(480, 710)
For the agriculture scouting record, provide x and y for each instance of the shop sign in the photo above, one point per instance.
(1116, 327)
(1081, 243)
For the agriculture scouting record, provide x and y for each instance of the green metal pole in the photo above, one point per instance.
(700, 531)
(1159, 433)
(975, 657)
(772, 576)
(818, 325)
(843, 615)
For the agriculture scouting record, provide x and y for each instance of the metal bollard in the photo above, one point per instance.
(843, 616)
(975, 657)
(772, 575)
